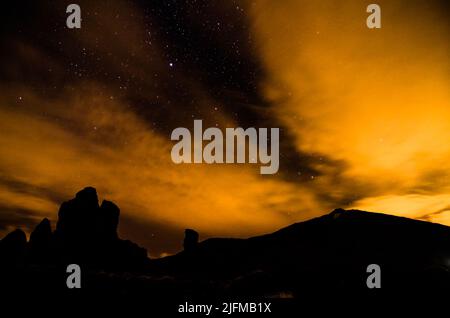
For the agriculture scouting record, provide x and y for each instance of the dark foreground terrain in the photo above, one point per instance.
(327, 255)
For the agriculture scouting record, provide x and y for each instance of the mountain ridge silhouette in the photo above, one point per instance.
(328, 252)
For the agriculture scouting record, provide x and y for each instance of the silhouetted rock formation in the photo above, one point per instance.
(81, 220)
(86, 233)
(13, 248)
(40, 245)
(108, 220)
(78, 219)
(42, 234)
(190, 240)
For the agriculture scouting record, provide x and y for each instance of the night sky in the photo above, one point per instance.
(364, 115)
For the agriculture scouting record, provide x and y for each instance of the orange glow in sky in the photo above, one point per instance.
(371, 106)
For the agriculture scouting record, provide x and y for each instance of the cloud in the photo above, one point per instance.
(97, 141)
(432, 208)
(376, 101)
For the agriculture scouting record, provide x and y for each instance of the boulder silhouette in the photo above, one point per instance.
(13, 248)
(42, 233)
(78, 218)
(40, 244)
(108, 220)
(190, 240)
